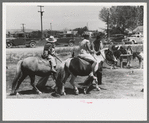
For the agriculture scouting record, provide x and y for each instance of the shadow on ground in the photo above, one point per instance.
(46, 89)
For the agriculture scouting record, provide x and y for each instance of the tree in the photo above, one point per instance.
(36, 34)
(120, 18)
(81, 30)
(9, 34)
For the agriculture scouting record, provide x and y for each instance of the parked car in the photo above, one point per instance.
(66, 40)
(134, 39)
(20, 39)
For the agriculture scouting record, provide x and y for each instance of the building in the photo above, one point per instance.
(72, 32)
(88, 33)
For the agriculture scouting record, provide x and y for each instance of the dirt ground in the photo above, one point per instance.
(120, 83)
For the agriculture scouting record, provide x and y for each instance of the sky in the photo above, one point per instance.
(60, 16)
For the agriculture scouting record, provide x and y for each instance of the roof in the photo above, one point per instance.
(138, 29)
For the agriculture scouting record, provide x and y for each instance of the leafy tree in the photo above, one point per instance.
(81, 30)
(9, 34)
(36, 34)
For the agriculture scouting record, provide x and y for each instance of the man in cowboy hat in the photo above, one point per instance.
(49, 51)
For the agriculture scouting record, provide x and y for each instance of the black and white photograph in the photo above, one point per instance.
(74, 61)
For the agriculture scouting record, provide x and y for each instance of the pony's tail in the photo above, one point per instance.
(17, 76)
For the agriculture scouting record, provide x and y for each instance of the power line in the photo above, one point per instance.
(51, 26)
(41, 14)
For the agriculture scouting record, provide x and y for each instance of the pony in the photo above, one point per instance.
(79, 67)
(30, 66)
(139, 55)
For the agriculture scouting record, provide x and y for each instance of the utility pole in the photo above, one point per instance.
(41, 13)
(108, 26)
(51, 28)
(23, 29)
(87, 25)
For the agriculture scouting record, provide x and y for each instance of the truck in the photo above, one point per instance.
(66, 40)
(21, 38)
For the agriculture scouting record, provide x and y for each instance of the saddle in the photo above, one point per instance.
(85, 60)
(44, 61)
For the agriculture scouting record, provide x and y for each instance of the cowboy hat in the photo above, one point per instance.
(51, 39)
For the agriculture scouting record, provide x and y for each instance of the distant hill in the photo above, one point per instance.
(19, 30)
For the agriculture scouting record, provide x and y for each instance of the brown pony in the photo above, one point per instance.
(31, 67)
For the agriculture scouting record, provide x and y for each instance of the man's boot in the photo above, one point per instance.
(53, 69)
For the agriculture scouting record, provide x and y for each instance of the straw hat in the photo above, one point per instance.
(51, 39)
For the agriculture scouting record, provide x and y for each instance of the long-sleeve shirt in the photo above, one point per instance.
(50, 47)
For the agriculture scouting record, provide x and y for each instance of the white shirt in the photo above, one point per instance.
(83, 46)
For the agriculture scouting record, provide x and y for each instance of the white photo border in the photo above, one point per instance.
(64, 109)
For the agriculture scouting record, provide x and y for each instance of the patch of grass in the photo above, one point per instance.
(117, 84)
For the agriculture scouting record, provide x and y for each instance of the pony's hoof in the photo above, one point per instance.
(13, 93)
(98, 89)
(56, 95)
(64, 94)
(76, 93)
(39, 92)
(17, 94)
(85, 91)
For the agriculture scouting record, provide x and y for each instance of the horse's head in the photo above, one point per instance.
(110, 56)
